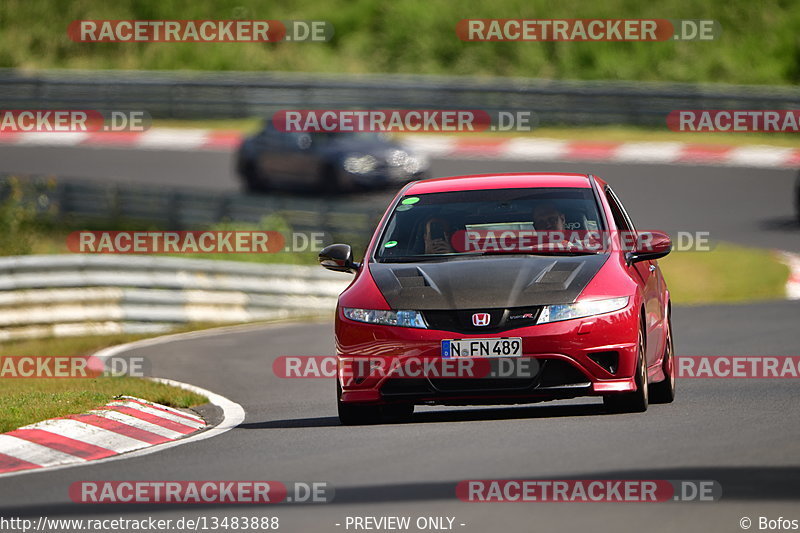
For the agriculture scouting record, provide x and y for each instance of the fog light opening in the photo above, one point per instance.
(609, 361)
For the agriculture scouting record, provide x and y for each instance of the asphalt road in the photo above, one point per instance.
(743, 433)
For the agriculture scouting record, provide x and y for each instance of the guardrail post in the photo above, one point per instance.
(223, 209)
(173, 211)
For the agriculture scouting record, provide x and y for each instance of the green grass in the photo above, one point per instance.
(245, 126)
(26, 401)
(727, 274)
(758, 44)
(67, 346)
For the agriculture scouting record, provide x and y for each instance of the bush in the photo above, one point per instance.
(17, 221)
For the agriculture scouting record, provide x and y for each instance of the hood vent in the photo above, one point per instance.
(410, 278)
(485, 282)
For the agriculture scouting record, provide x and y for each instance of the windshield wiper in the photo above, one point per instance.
(433, 257)
(417, 258)
(533, 252)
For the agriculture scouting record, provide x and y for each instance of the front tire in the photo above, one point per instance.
(398, 412)
(636, 401)
(254, 181)
(664, 391)
(355, 414)
(329, 180)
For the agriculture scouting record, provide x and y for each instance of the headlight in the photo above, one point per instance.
(406, 319)
(360, 164)
(555, 313)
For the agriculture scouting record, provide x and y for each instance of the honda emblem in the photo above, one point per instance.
(480, 319)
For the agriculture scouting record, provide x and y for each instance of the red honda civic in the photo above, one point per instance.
(503, 289)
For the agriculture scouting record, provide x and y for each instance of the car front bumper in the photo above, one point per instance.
(581, 357)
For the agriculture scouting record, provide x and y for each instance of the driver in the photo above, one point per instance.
(550, 223)
(437, 237)
(547, 217)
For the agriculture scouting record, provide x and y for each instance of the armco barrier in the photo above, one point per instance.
(64, 295)
(115, 204)
(259, 94)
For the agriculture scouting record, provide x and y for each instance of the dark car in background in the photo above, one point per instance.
(797, 197)
(326, 162)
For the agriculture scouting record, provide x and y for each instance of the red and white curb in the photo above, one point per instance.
(793, 284)
(232, 415)
(153, 139)
(539, 149)
(448, 147)
(123, 425)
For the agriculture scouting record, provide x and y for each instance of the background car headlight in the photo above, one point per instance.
(555, 313)
(415, 163)
(410, 163)
(406, 319)
(360, 164)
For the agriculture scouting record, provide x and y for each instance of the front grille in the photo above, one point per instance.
(558, 373)
(482, 384)
(554, 377)
(460, 320)
(406, 386)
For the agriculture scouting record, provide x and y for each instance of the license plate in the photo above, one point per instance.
(496, 347)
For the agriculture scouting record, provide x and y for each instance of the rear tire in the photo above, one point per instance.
(664, 391)
(636, 401)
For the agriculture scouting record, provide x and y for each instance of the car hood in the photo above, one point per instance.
(485, 282)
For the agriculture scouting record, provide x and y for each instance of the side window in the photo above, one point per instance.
(621, 218)
(269, 134)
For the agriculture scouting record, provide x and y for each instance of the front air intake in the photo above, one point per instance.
(608, 360)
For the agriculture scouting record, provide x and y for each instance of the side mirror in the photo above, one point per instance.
(649, 245)
(339, 258)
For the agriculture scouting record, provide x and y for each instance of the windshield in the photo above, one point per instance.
(365, 136)
(324, 138)
(530, 221)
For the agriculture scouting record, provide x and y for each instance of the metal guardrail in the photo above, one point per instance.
(242, 94)
(65, 295)
(341, 219)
